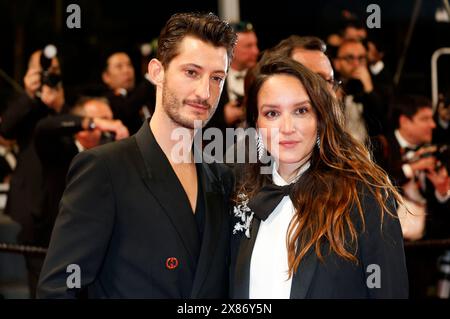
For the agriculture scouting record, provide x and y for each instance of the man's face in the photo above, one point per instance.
(350, 57)
(119, 73)
(418, 129)
(97, 109)
(317, 62)
(193, 82)
(246, 51)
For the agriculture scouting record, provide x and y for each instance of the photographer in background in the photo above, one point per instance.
(58, 139)
(419, 169)
(129, 103)
(230, 111)
(42, 98)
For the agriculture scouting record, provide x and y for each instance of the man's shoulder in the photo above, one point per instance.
(111, 152)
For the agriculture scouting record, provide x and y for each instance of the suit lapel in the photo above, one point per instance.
(213, 194)
(243, 260)
(163, 183)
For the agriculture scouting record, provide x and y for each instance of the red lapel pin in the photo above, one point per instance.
(171, 263)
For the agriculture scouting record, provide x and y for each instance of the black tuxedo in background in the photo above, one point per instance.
(438, 219)
(55, 146)
(336, 277)
(18, 122)
(440, 135)
(127, 108)
(124, 214)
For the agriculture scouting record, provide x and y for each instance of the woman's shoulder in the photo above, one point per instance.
(378, 206)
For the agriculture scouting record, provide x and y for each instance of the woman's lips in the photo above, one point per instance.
(289, 144)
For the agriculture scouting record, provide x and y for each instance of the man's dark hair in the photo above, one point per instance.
(408, 105)
(206, 27)
(105, 56)
(78, 108)
(287, 46)
(352, 23)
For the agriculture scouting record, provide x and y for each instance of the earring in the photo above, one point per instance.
(259, 146)
(318, 141)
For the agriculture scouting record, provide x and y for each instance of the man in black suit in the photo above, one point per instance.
(58, 139)
(414, 169)
(130, 103)
(230, 111)
(425, 189)
(363, 106)
(18, 122)
(136, 220)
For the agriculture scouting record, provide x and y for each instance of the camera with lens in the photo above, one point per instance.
(48, 76)
(440, 152)
(107, 137)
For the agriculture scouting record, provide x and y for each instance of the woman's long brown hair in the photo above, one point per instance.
(339, 171)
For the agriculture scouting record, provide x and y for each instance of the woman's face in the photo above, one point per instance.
(286, 120)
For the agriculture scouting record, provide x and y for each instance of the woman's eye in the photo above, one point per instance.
(302, 110)
(271, 114)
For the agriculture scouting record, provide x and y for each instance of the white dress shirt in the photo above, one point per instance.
(269, 270)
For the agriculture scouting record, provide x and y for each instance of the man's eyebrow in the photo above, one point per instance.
(201, 68)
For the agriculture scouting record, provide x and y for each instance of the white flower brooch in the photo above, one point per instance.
(244, 214)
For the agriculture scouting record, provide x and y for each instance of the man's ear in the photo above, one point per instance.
(156, 72)
(403, 120)
(105, 77)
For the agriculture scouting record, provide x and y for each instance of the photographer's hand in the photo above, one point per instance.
(440, 180)
(32, 81)
(115, 126)
(362, 73)
(424, 164)
(53, 97)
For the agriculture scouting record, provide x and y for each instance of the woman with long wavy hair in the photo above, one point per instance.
(323, 223)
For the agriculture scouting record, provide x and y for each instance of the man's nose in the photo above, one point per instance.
(202, 89)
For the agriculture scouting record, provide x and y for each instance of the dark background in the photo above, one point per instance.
(27, 25)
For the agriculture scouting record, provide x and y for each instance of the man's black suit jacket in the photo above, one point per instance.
(126, 222)
(438, 219)
(56, 148)
(18, 122)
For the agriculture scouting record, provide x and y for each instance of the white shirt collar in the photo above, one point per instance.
(235, 83)
(377, 67)
(79, 146)
(402, 142)
(278, 180)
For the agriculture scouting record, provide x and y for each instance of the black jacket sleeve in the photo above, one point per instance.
(83, 227)
(382, 251)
